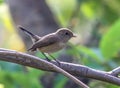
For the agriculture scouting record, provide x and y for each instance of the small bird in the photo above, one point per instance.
(50, 43)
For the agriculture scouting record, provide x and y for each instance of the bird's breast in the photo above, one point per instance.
(52, 48)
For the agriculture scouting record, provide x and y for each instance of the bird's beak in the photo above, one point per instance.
(74, 35)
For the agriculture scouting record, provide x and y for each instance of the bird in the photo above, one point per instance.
(51, 42)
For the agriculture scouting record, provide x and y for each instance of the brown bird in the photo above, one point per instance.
(50, 43)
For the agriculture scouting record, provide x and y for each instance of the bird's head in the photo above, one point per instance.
(65, 34)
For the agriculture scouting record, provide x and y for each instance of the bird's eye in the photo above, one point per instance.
(66, 33)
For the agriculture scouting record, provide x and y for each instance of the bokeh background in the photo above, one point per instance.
(95, 22)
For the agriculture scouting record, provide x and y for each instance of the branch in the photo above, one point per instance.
(32, 61)
(74, 69)
(115, 72)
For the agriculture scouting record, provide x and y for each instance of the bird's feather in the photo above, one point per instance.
(44, 42)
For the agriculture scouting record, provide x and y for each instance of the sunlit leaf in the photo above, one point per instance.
(2, 86)
(89, 9)
(110, 43)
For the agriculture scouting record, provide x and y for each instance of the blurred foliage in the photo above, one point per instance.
(101, 52)
(110, 44)
(1, 1)
(60, 81)
(20, 78)
(62, 11)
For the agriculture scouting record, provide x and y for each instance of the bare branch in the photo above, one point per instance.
(28, 60)
(115, 72)
(84, 71)
(74, 69)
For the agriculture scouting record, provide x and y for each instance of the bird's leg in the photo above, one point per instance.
(54, 59)
(46, 57)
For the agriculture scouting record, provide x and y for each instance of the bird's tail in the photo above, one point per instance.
(33, 36)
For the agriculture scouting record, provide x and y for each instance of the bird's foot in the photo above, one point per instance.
(58, 62)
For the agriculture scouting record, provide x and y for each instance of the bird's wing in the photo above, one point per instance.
(45, 41)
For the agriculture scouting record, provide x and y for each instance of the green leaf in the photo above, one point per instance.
(90, 52)
(110, 43)
(87, 56)
(90, 55)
